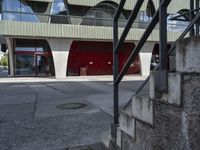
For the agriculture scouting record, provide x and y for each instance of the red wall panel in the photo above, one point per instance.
(97, 58)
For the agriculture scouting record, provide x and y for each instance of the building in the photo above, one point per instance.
(74, 37)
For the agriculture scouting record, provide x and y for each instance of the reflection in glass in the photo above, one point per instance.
(11, 16)
(18, 11)
(11, 5)
(58, 6)
(1, 9)
(59, 13)
(33, 58)
(102, 15)
(176, 25)
(24, 65)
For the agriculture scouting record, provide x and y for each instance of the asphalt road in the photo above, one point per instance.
(39, 115)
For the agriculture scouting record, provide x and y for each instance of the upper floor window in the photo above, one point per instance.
(58, 6)
(0, 9)
(18, 10)
(59, 13)
(102, 15)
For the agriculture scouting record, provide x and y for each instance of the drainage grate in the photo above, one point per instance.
(72, 106)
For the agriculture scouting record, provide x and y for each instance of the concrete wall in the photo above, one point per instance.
(60, 51)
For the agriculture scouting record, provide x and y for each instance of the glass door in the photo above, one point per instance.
(42, 65)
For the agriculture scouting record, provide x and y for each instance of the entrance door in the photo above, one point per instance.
(42, 65)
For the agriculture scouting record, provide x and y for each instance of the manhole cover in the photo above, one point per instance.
(72, 106)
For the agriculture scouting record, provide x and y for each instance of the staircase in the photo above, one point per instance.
(166, 121)
(168, 117)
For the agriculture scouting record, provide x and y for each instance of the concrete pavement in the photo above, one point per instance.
(31, 117)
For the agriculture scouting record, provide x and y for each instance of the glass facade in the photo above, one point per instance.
(59, 13)
(16, 10)
(102, 15)
(33, 58)
(24, 65)
(1, 9)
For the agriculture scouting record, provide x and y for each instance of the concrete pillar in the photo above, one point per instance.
(10, 45)
(145, 59)
(60, 51)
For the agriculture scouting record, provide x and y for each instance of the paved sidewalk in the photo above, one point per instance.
(32, 114)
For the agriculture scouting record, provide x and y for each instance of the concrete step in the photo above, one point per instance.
(96, 146)
(127, 123)
(142, 108)
(173, 96)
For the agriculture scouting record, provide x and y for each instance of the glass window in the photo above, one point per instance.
(38, 7)
(28, 17)
(59, 13)
(1, 9)
(11, 5)
(11, 16)
(58, 6)
(30, 49)
(18, 11)
(176, 25)
(102, 15)
(24, 65)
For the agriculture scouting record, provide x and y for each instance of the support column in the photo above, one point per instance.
(60, 51)
(10, 45)
(145, 57)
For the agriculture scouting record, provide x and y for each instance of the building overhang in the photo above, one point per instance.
(46, 30)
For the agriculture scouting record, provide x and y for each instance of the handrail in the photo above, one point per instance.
(118, 43)
(128, 25)
(160, 15)
(143, 39)
(196, 18)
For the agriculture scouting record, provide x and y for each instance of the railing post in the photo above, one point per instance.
(197, 24)
(115, 73)
(191, 16)
(162, 73)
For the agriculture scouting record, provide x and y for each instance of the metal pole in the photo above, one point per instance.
(163, 37)
(115, 73)
(163, 48)
(191, 15)
(197, 24)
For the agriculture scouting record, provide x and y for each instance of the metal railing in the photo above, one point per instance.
(81, 20)
(162, 69)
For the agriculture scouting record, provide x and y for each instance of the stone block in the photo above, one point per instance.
(172, 63)
(106, 138)
(127, 124)
(152, 86)
(142, 108)
(188, 55)
(174, 89)
(119, 138)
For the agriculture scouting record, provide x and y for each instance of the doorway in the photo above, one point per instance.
(42, 65)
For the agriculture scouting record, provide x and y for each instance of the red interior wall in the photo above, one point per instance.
(97, 58)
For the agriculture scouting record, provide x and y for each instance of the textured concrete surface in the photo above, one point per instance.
(31, 120)
(175, 127)
(187, 55)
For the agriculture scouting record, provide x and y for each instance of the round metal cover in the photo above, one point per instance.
(72, 106)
